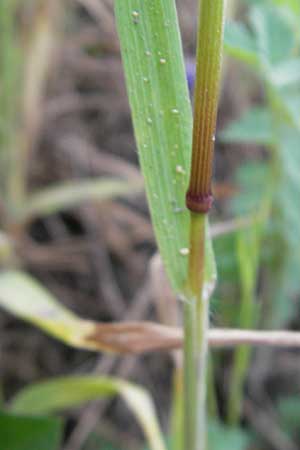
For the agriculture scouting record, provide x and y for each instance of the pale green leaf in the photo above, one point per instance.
(275, 39)
(65, 392)
(162, 118)
(24, 297)
(73, 193)
(286, 73)
(240, 43)
(255, 126)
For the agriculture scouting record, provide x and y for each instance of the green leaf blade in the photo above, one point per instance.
(65, 392)
(24, 297)
(62, 393)
(162, 118)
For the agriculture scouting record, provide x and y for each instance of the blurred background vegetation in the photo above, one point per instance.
(74, 215)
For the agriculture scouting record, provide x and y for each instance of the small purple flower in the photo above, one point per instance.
(190, 69)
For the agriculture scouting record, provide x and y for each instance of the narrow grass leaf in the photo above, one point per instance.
(65, 392)
(73, 193)
(24, 297)
(162, 119)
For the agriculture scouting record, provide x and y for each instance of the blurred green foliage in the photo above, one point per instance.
(269, 189)
(29, 433)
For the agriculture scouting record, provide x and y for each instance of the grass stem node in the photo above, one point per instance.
(199, 203)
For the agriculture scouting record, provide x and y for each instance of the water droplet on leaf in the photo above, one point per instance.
(135, 15)
(184, 251)
(180, 169)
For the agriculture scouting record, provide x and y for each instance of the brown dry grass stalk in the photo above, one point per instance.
(142, 337)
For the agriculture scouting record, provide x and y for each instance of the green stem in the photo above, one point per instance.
(176, 431)
(208, 75)
(199, 200)
(195, 343)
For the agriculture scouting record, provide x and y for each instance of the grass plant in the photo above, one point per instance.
(176, 154)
